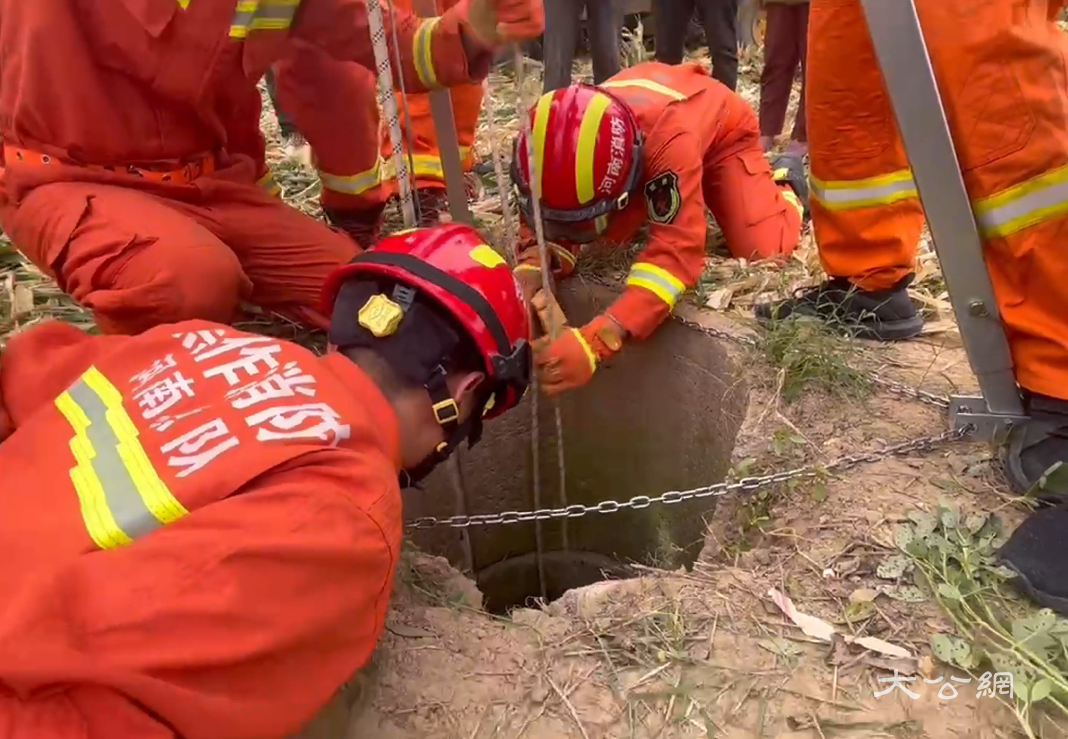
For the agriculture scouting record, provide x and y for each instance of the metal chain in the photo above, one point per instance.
(746, 484)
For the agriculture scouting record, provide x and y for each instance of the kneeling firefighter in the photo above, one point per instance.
(201, 525)
(653, 145)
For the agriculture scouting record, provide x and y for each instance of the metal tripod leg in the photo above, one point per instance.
(902, 54)
(445, 129)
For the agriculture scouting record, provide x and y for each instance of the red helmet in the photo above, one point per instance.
(588, 152)
(453, 265)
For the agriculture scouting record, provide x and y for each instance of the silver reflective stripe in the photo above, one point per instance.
(275, 14)
(356, 184)
(1017, 213)
(246, 10)
(874, 191)
(658, 281)
(120, 491)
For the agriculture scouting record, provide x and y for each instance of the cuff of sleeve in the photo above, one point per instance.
(639, 312)
(451, 64)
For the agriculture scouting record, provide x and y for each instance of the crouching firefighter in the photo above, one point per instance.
(201, 525)
(655, 145)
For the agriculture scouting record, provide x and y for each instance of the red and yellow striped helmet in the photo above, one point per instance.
(588, 153)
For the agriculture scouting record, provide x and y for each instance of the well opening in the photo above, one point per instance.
(514, 582)
(661, 416)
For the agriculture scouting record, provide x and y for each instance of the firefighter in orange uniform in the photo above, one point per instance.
(654, 144)
(121, 184)
(1001, 72)
(201, 525)
(333, 106)
(1000, 69)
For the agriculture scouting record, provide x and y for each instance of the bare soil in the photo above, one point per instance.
(706, 653)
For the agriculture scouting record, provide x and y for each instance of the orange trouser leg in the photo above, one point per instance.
(286, 255)
(244, 135)
(333, 105)
(758, 220)
(865, 212)
(466, 106)
(1000, 67)
(127, 256)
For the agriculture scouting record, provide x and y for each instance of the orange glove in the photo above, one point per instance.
(495, 22)
(561, 259)
(550, 316)
(570, 361)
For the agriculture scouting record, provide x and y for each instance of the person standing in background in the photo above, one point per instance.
(562, 23)
(785, 47)
(720, 21)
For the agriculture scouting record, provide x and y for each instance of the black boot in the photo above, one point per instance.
(1034, 448)
(790, 170)
(884, 315)
(1035, 553)
(362, 226)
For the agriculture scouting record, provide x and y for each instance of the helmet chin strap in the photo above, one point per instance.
(447, 414)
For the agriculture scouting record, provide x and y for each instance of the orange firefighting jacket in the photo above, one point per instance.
(680, 110)
(153, 81)
(198, 532)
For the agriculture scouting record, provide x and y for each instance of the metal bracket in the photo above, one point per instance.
(971, 412)
(906, 66)
(445, 130)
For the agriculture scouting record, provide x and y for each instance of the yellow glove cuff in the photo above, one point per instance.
(590, 353)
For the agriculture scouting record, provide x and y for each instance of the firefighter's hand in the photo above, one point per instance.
(550, 316)
(570, 361)
(496, 22)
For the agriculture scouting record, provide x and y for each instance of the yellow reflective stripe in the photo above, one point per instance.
(1021, 206)
(564, 254)
(183, 4)
(541, 125)
(99, 522)
(791, 198)
(268, 183)
(656, 280)
(423, 55)
(243, 15)
(587, 140)
(852, 194)
(590, 354)
(646, 85)
(355, 184)
(262, 15)
(424, 165)
(120, 493)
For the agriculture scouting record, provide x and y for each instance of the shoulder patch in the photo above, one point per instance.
(662, 197)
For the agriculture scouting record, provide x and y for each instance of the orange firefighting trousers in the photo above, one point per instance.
(333, 104)
(1000, 67)
(163, 252)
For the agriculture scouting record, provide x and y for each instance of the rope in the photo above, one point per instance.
(389, 107)
(546, 284)
(407, 117)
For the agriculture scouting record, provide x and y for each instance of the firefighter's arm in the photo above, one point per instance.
(453, 49)
(242, 618)
(674, 255)
(40, 363)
